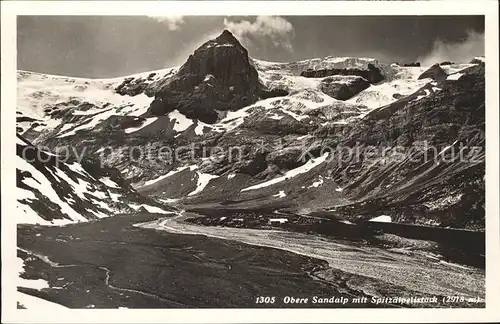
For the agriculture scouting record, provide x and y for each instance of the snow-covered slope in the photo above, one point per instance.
(47, 101)
(43, 100)
(58, 106)
(403, 81)
(54, 191)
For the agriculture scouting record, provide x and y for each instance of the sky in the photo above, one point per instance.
(111, 46)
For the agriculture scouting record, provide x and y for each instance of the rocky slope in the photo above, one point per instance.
(228, 130)
(440, 180)
(55, 190)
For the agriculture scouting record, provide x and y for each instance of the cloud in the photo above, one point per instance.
(172, 22)
(190, 45)
(276, 30)
(460, 52)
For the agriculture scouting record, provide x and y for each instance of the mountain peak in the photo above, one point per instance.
(217, 76)
(227, 38)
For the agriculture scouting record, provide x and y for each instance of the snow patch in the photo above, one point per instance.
(292, 173)
(108, 182)
(169, 200)
(280, 194)
(317, 183)
(170, 173)
(454, 76)
(208, 77)
(147, 122)
(200, 126)
(90, 123)
(294, 115)
(203, 180)
(44, 186)
(404, 82)
(76, 167)
(382, 219)
(275, 116)
(37, 284)
(150, 209)
(278, 220)
(181, 122)
(447, 147)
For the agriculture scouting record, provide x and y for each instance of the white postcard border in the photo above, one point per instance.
(9, 11)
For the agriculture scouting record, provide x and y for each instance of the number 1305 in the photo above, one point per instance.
(265, 300)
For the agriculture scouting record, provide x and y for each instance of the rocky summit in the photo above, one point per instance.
(217, 77)
(346, 138)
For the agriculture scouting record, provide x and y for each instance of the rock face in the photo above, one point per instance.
(131, 87)
(437, 176)
(478, 60)
(343, 88)
(218, 76)
(435, 72)
(372, 73)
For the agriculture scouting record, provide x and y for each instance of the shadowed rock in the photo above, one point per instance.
(416, 64)
(477, 60)
(372, 74)
(343, 88)
(435, 72)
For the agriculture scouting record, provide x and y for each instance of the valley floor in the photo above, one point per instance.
(144, 261)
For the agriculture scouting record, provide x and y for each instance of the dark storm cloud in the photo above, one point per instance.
(106, 46)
